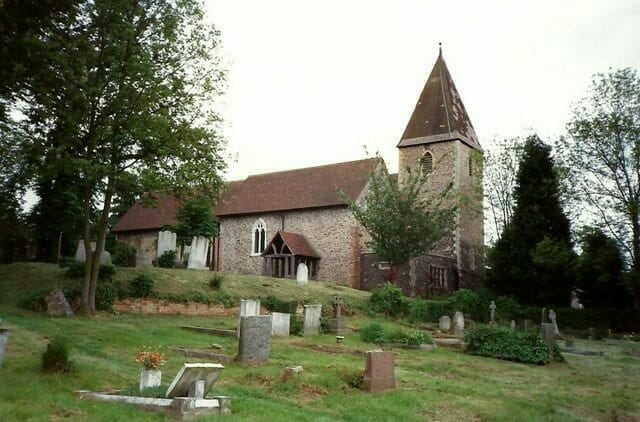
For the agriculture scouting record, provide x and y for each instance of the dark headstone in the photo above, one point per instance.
(548, 335)
(57, 304)
(379, 372)
(255, 337)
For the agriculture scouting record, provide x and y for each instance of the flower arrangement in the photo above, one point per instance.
(150, 360)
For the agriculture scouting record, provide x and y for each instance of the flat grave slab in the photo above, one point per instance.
(192, 373)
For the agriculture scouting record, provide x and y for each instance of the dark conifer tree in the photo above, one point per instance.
(533, 260)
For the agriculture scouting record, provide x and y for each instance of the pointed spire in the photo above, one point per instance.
(439, 114)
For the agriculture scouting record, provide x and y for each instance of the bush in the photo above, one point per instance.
(124, 255)
(421, 310)
(141, 286)
(275, 304)
(34, 301)
(224, 299)
(389, 300)
(296, 325)
(472, 303)
(503, 343)
(106, 294)
(371, 333)
(215, 282)
(56, 357)
(375, 333)
(167, 259)
(75, 269)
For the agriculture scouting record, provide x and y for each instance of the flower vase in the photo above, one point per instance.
(150, 378)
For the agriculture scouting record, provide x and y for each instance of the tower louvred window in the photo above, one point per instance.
(426, 162)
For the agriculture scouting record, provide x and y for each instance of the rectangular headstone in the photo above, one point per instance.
(548, 335)
(379, 372)
(255, 337)
(166, 242)
(198, 253)
(280, 324)
(248, 307)
(312, 315)
(445, 323)
(189, 374)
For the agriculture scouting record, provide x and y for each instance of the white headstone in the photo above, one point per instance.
(248, 307)
(280, 323)
(312, 315)
(191, 373)
(552, 318)
(445, 323)
(302, 274)
(458, 323)
(198, 253)
(166, 242)
(81, 253)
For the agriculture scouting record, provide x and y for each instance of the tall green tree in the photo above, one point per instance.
(603, 153)
(195, 218)
(403, 220)
(127, 96)
(533, 260)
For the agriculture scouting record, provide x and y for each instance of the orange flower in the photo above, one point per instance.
(150, 359)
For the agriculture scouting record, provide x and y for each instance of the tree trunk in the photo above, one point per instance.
(88, 255)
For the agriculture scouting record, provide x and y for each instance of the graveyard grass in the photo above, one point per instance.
(436, 385)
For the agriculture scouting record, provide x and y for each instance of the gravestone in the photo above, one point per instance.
(57, 304)
(166, 242)
(552, 318)
(312, 315)
(81, 253)
(513, 324)
(458, 323)
(255, 337)
(337, 324)
(141, 258)
(379, 372)
(444, 323)
(527, 324)
(302, 274)
(575, 300)
(548, 335)
(193, 373)
(492, 313)
(4, 339)
(198, 253)
(248, 307)
(280, 324)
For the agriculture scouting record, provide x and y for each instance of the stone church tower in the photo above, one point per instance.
(440, 140)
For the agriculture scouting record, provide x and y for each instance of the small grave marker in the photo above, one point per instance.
(445, 323)
(379, 372)
(312, 315)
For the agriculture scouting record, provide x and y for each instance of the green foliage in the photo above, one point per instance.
(388, 300)
(124, 255)
(56, 357)
(106, 294)
(215, 282)
(533, 260)
(402, 219)
(195, 218)
(34, 300)
(225, 299)
(76, 269)
(503, 343)
(296, 325)
(274, 304)
(376, 333)
(421, 310)
(141, 286)
(167, 259)
(473, 303)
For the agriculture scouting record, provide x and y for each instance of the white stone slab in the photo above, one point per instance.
(302, 274)
(198, 253)
(280, 324)
(166, 242)
(192, 372)
(312, 315)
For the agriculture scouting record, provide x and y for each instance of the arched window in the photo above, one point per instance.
(426, 162)
(258, 237)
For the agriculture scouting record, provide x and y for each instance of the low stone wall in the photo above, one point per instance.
(163, 307)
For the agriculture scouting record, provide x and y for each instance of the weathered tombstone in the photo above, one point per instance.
(379, 372)
(141, 258)
(255, 337)
(592, 333)
(492, 310)
(337, 324)
(458, 323)
(248, 307)
(280, 324)
(198, 253)
(575, 300)
(513, 324)
(548, 335)
(81, 253)
(312, 315)
(57, 304)
(552, 318)
(166, 242)
(302, 274)
(4, 339)
(444, 323)
(527, 324)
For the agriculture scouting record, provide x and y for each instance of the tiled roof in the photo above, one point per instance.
(311, 187)
(156, 215)
(297, 244)
(439, 114)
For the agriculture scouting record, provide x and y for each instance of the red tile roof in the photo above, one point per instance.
(311, 187)
(439, 114)
(154, 216)
(297, 244)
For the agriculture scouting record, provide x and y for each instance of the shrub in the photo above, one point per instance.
(215, 282)
(275, 304)
(417, 338)
(75, 269)
(503, 343)
(421, 310)
(371, 333)
(106, 294)
(224, 299)
(375, 333)
(472, 303)
(141, 286)
(56, 357)
(34, 301)
(389, 300)
(296, 325)
(124, 255)
(167, 259)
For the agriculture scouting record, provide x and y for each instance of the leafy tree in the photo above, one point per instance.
(195, 218)
(600, 271)
(533, 260)
(126, 96)
(603, 153)
(402, 220)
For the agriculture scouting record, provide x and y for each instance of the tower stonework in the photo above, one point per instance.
(439, 139)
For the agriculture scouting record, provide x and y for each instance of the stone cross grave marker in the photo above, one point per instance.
(255, 337)
(492, 309)
(312, 315)
(280, 324)
(337, 324)
(379, 372)
(337, 302)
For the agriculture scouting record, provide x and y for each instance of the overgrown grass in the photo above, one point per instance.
(436, 385)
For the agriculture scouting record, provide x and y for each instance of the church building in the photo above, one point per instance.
(269, 223)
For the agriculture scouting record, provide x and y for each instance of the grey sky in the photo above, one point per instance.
(311, 82)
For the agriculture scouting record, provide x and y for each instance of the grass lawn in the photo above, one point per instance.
(436, 385)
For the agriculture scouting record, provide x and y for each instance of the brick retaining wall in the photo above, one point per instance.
(163, 307)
